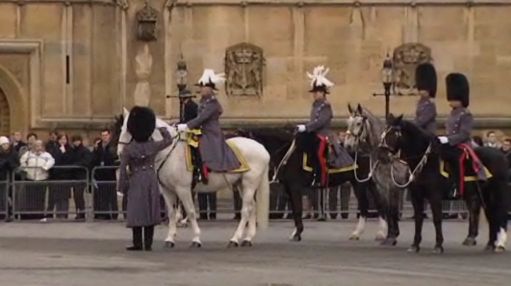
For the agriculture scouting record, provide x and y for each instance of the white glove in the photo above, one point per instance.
(182, 127)
(301, 128)
(443, 139)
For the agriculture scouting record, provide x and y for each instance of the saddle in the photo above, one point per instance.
(469, 168)
(194, 161)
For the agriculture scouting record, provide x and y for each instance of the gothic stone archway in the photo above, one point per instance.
(5, 115)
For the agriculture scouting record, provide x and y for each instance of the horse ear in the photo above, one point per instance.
(125, 112)
(391, 118)
(350, 109)
(359, 109)
(399, 119)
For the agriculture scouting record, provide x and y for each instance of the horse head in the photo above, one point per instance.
(357, 128)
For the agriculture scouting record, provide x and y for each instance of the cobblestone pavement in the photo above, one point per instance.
(93, 254)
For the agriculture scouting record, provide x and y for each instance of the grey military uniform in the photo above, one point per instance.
(425, 115)
(459, 126)
(141, 185)
(320, 122)
(215, 153)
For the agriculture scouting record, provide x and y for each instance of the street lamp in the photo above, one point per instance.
(183, 93)
(387, 78)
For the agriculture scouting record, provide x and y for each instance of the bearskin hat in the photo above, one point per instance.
(425, 78)
(141, 123)
(457, 88)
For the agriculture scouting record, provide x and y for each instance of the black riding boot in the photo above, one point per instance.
(148, 237)
(137, 239)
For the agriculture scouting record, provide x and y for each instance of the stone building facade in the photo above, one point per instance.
(74, 64)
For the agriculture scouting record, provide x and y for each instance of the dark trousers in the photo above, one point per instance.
(451, 155)
(278, 201)
(78, 192)
(4, 191)
(317, 198)
(148, 235)
(58, 199)
(31, 199)
(205, 200)
(105, 201)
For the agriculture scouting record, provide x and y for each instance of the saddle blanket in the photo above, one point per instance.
(307, 167)
(470, 175)
(193, 142)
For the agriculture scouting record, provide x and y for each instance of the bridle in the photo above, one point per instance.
(362, 133)
(418, 168)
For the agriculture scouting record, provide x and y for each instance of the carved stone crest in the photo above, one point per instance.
(244, 70)
(147, 18)
(406, 59)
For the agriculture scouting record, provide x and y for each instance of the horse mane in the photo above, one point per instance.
(375, 127)
(421, 138)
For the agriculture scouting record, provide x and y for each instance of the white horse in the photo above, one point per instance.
(176, 180)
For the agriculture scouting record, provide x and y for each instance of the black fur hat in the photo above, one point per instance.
(425, 78)
(141, 123)
(320, 87)
(457, 88)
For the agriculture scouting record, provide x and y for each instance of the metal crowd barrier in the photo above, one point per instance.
(50, 198)
(95, 197)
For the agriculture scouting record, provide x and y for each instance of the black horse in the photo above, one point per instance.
(421, 150)
(295, 179)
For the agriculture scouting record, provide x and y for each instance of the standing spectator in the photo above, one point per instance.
(491, 140)
(31, 138)
(80, 156)
(36, 163)
(478, 141)
(105, 196)
(17, 141)
(52, 141)
(60, 193)
(8, 163)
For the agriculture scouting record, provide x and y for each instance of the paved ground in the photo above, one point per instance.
(93, 254)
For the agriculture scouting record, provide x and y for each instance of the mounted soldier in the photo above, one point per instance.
(426, 81)
(319, 125)
(215, 153)
(457, 143)
(141, 183)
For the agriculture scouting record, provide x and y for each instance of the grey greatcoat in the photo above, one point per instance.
(425, 115)
(215, 153)
(319, 123)
(459, 126)
(141, 185)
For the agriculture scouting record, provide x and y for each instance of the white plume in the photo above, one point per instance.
(318, 77)
(209, 76)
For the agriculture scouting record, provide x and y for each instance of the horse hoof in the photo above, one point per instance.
(489, 247)
(169, 244)
(196, 244)
(414, 248)
(469, 241)
(354, 237)
(379, 236)
(232, 244)
(500, 249)
(246, 243)
(389, 242)
(438, 249)
(296, 237)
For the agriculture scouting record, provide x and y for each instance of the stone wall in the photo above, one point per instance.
(98, 40)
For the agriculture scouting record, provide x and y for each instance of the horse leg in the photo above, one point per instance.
(474, 207)
(170, 200)
(501, 206)
(294, 192)
(418, 210)
(382, 223)
(435, 202)
(360, 190)
(185, 195)
(246, 210)
(392, 218)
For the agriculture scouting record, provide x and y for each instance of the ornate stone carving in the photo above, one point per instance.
(244, 70)
(123, 4)
(406, 59)
(147, 19)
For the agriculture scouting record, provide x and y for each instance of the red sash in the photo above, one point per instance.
(467, 152)
(323, 144)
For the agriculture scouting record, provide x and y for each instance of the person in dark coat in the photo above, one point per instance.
(105, 195)
(8, 163)
(425, 114)
(60, 193)
(141, 185)
(215, 153)
(80, 156)
(17, 142)
(459, 126)
(319, 124)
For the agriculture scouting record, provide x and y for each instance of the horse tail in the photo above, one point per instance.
(263, 200)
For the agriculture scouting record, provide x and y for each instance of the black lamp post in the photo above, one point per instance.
(387, 78)
(183, 93)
